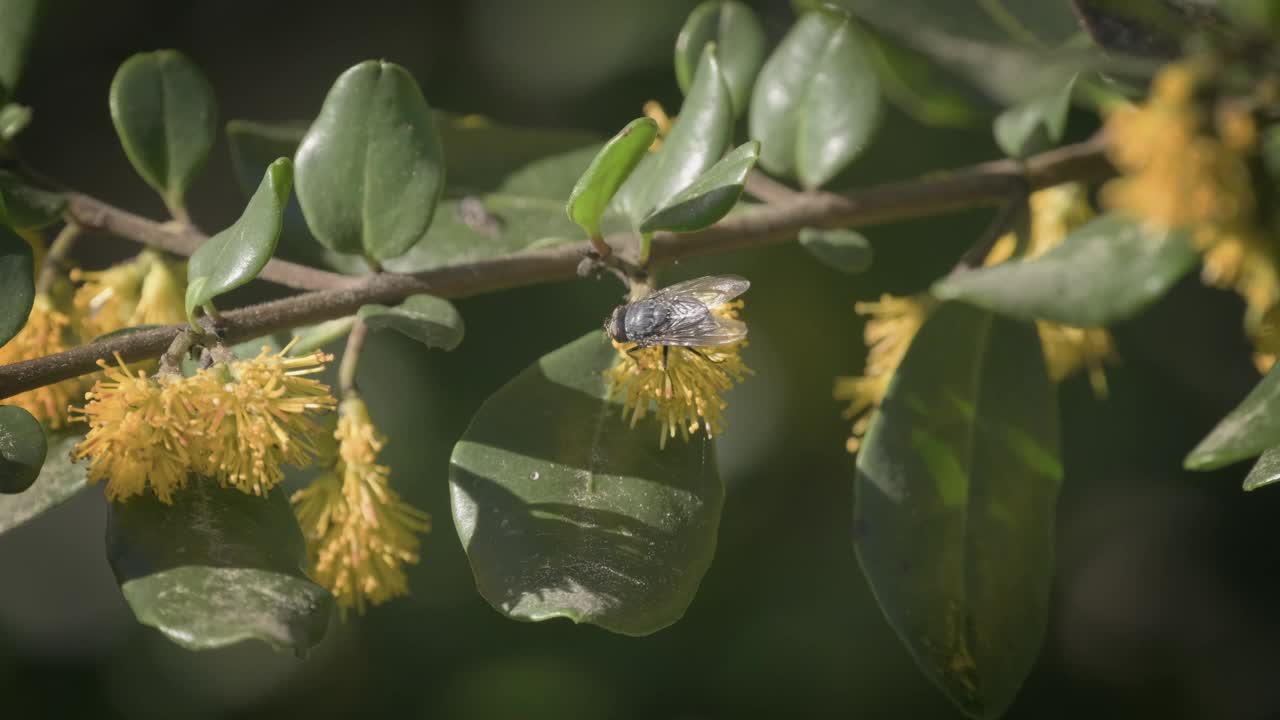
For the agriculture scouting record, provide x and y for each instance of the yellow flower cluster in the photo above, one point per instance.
(360, 534)
(44, 334)
(1186, 167)
(684, 391)
(237, 422)
(894, 321)
(147, 290)
(654, 111)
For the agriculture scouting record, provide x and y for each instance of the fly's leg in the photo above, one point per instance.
(703, 355)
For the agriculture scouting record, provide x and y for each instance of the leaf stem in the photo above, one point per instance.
(979, 185)
(351, 357)
(58, 252)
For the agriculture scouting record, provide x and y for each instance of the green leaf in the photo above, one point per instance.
(59, 481)
(957, 483)
(1105, 271)
(1036, 124)
(14, 118)
(696, 142)
(313, 337)
(710, 197)
(1264, 472)
(1247, 431)
(371, 168)
(842, 249)
(817, 100)
(736, 32)
(22, 449)
(565, 510)
(216, 567)
(17, 27)
(236, 255)
(918, 88)
(166, 116)
(430, 320)
(607, 171)
(29, 207)
(17, 277)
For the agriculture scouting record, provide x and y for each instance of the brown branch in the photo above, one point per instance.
(93, 214)
(975, 186)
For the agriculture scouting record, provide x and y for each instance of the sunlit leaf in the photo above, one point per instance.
(22, 449)
(608, 170)
(236, 255)
(739, 41)
(14, 118)
(371, 168)
(957, 484)
(1264, 472)
(166, 116)
(566, 511)
(1252, 428)
(710, 197)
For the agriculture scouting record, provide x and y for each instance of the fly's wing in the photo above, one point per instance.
(711, 290)
(690, 324)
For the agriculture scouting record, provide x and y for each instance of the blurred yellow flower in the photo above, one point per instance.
(360, 534)
(44, 334)
(147, 290)
(251, 417)
(892, 324)
(654, 111)
(685, 393)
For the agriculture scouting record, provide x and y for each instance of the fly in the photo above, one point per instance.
(681, 315)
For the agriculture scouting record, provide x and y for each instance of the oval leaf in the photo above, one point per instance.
(59, 481)
(565, 510)
(307, 340)
(1264, 472)
(17, 277)
(607, 171)
(430, 320)
(166, 116)
(841, 249)
(14, 118)
(216, 567)
(1103, 272)
(696, 142)
(22, 449)
(736, 32)
(17, 27)
(817, 100)
(29, 207)
(371, 169)
(236, 255)
(957, 482)
(1035, 124)
(1247, 431)
(710, 197)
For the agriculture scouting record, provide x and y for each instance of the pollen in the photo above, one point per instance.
(360, 533)
(683, 390)
(45, 333)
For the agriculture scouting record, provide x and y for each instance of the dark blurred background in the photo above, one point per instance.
(1165, 589)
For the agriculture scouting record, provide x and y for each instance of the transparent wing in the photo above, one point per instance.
(710, 290)
(690, 324)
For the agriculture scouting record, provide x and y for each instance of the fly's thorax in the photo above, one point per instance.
(644, 318)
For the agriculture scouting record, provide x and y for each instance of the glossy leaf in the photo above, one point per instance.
(1036, 124)
(22, 449)
(817, 99)
(17, 27)
(607, 171)
(371, 168)
(566, 511)
(14, 118)
(236, 255)
(842, 249)
(1264, 472)
(739, 41)
(430, 320)
(17, 277)
(28, 206)
(696, 142)
(59, 481)
(710, 197)
(314, 337)
(1103, 272)
(957, 483)
(166, 116)
(1252, 428)
(216, 567)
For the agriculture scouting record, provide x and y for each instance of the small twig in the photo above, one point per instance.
(764, 188)
(56, 256)
(975, 186)
(171, 360)
(1010, 214)
(351, 357)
